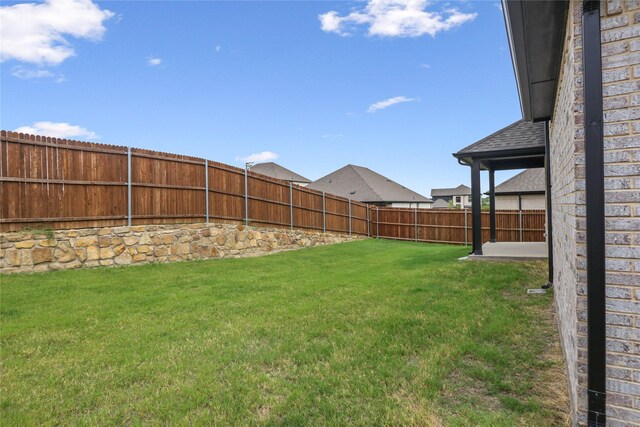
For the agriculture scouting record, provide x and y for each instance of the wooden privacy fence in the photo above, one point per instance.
(72, 184)
(455, 225)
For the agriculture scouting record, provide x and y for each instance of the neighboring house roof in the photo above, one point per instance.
(440, 203)
(274, 170)
(364, 185)
(460, 190)
(528, 181)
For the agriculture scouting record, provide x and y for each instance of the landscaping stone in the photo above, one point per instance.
(106, 246)
(106, 253)
(93, 253)
(25, 244)
(86, 241)
(64, 254)
(40, 255)
(13, 258)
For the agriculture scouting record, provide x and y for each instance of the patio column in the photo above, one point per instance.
(476, 207)
(547, 176)
(492, 206)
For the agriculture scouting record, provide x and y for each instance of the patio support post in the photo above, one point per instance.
(476, 208)
(492, 206)
(547, 176)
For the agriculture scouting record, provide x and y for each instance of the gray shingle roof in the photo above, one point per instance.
(440, 204)
(518, 135)
(460, 190)
(274, 170)
(364, 185)
(527, 181)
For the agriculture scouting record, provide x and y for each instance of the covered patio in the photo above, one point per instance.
(521, 145)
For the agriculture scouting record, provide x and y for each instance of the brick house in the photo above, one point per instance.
(458, 197)
(522, 191)
(577, 66)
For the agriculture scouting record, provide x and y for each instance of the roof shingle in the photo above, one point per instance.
(364, 185)
(518, 135)
(274, 170)
(527, 181)
(460, 190)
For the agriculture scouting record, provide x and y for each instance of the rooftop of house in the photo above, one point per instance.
(274, 170)
(440, 204)
(364, 185)
(518, 135)
(527, 181)
(460, 190)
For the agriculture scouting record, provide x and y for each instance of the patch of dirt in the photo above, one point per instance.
(553, 386)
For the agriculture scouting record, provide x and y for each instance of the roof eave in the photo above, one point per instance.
(536, 36)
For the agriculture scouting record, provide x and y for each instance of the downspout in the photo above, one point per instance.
(594, 182)
(547, 173)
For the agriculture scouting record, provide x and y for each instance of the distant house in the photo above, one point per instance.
(523, 191)
(459, 196)
(274, 170)
(364, 185)
(440, 204)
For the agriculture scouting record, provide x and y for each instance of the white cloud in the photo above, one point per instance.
(395, 18)
(153, 61)
(263, 156)
(58, 130)
(425, 66)
(218, 49)
(35, 73)
(36, 32)
(381, 105)
(28, 73)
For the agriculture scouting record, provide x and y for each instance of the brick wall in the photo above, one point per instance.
(620, 24)
(566, 147)
(529, 202)
(621, 98)
(94, 247)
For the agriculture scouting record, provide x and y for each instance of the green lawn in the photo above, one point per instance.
(365, 333)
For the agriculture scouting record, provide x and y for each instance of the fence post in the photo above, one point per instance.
(206, 191)
(129, 186)
(466, 243)
(377, 222)
(415, 217)
(324, 214)
(349, 217)
(246, 196)
(291, 204)
(520, 215)
(368, 224)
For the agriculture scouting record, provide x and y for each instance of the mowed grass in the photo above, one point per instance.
(364, 333)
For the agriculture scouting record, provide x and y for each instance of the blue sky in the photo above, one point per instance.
(396, 86)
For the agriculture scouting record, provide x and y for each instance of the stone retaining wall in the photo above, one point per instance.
(30, 251)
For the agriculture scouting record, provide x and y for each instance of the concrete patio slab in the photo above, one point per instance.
(512, 251)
